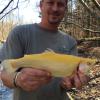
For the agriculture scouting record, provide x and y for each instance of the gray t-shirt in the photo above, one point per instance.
(30, 39)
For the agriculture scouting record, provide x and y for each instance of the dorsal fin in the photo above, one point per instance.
(49, 50)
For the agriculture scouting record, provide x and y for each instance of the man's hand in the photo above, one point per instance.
(77, 80)
(31, 79)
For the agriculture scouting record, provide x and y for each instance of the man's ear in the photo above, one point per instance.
(41, 4)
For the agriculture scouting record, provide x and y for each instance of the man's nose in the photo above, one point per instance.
(55, 7)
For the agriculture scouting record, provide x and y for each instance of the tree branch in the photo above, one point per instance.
(6, 6)
(88, 9)
(10, 10)
(84, 29)
(97, 4)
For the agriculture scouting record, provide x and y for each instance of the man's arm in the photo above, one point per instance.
(10, 49)
(28, 79)
(7, 79)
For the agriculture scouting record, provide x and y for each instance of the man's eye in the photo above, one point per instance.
(61, 4)
(50, 3)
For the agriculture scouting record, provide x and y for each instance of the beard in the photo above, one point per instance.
(54, 21)
(55, 18)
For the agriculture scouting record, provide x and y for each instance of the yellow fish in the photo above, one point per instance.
(59, 65)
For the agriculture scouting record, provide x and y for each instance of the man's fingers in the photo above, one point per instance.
(77, 82)
(36, 72)
(32, 87)
(83, 78)
(31, 79)
(66, 83)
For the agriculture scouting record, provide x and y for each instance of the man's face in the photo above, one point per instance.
(53, 10)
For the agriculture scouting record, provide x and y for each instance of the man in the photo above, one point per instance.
(36, 84)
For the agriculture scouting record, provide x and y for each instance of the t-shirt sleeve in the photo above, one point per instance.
(73, 50)
(12, 48)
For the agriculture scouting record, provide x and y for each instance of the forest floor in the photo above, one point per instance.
(91, 91)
